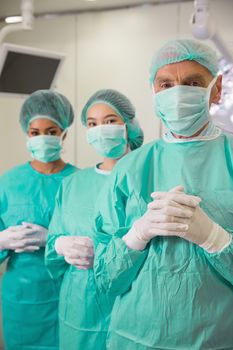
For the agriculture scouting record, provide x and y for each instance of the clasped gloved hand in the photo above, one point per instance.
(175, 213)
(77, 251)
(39, 233)
(19, 238)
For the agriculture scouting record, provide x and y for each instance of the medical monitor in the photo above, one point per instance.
(24, 70)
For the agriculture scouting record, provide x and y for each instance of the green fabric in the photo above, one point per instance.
(3, 253)
(181, 296)
(83, 311)
(29, 295)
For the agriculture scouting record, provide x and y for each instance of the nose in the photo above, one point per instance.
(101, 123)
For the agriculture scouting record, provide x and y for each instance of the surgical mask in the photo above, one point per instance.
(184, 109)
(45, 148)
(108, 140)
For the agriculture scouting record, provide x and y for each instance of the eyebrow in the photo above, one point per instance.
(195, 76)
(105, 117)
(163, 79)
(37, 129)
(110, 115)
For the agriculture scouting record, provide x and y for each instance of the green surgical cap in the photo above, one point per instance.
(184, 50)
(123, 107)
(49, 105)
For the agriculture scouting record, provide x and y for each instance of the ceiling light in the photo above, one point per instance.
(13, 19)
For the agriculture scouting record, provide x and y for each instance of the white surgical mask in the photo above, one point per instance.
(45, 148)
(108, 140)
(184, 109)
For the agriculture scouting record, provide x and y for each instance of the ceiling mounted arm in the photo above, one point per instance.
(27, 20)
(203, 27)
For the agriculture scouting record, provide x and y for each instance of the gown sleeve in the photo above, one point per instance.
(222, 261)
(54, 262)
(116, 266)
(3, 253)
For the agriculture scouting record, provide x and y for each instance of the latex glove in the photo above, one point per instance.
(39, 233)
(204, 232)
(77, 251)
(167, 215)
(18, 238)
(200, 229)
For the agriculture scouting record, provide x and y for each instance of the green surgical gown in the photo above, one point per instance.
(172, 295)
(83, 312)
(29, 294)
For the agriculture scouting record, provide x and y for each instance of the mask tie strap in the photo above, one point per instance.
(211, 84)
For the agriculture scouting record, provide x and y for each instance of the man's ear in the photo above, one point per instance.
(216, 91)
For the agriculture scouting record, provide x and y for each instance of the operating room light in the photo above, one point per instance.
(13, 19)
(222, 113)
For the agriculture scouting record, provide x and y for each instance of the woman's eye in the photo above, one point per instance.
(91, 124)
(111, 121)
(34, 133)
(52, 133)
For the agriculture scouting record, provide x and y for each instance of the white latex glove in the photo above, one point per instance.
(200, 229)
(38, 232)
(206, 233)
(77, 251)
(18, 238)
(167, 215)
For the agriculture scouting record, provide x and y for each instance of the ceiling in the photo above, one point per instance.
(12, 7)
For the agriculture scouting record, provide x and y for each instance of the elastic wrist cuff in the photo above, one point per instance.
(133, 241)
(57, 246)
(218, 240)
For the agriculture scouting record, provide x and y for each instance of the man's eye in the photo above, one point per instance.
(166, 85)
(194, 83)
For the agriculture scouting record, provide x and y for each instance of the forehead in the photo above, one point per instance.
(101, 110)
(183, 70)
(43, 123)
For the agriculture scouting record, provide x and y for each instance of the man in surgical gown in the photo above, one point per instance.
(169, 257)
(27, 199)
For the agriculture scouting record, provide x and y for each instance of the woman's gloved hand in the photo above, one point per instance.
(39, 233)
(77, 251)
(19, 239)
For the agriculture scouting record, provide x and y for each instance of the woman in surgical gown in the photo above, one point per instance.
(27, 198)
(113, 131)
